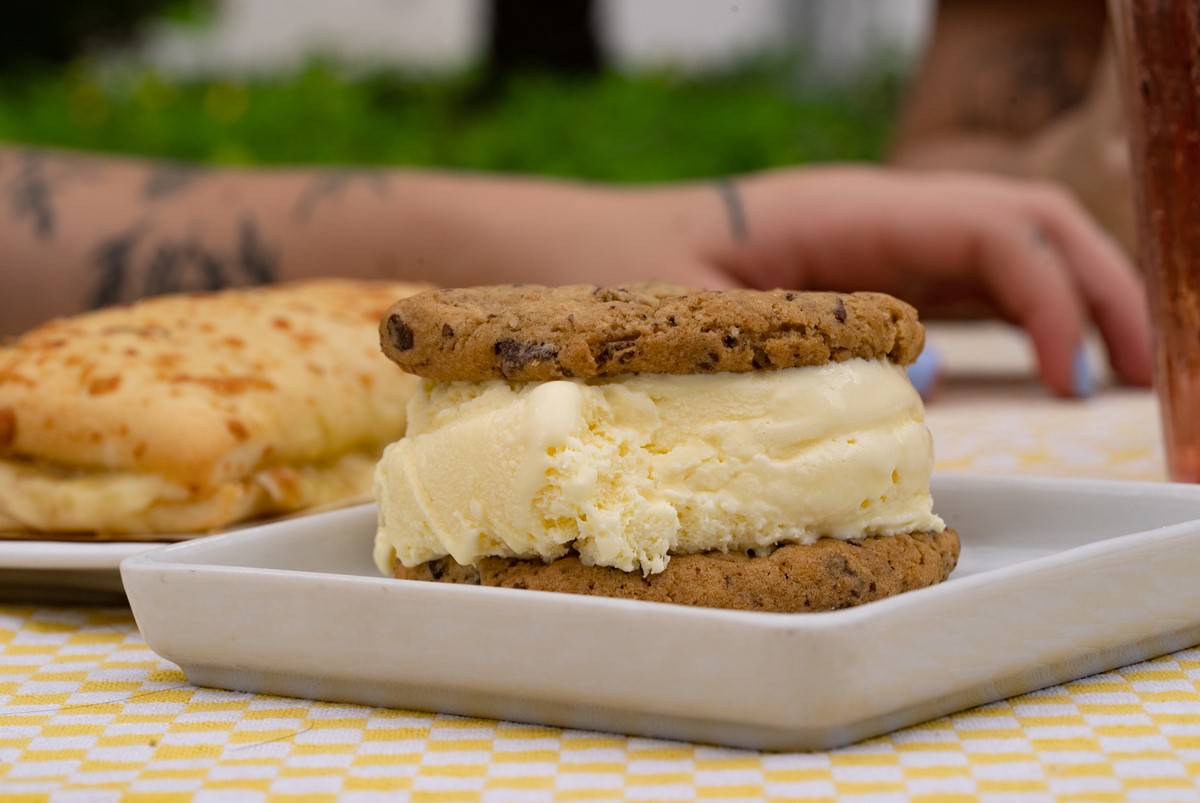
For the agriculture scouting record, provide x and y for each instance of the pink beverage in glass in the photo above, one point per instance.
(1159, 43)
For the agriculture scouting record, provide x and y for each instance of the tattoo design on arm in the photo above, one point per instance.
(30, 192)
(331, 184)
(169, 178)
(133, 264)
(112, 258)
(1018, 85)
(734, 210)
(259, 264)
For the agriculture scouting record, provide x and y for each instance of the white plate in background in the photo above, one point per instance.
(64, 571)
(1058, 579)
(69, 555)
(88, 570)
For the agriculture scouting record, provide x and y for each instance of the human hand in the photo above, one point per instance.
(1086, 150)
(946, 242)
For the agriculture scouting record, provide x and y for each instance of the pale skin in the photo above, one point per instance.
(1028, 89)
(78, 232)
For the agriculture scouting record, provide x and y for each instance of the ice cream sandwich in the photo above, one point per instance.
(754, 450)
(183, 414)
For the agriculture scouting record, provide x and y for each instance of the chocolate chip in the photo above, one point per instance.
(709, 363)
(611, 294)
(401, 334)
(838, 565)
(623, 350)
(839, 311)
(447, 330)
(515, 355)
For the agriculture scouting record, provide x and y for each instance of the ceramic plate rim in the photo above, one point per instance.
(1003, 653)
(164, 556)
(25, 553)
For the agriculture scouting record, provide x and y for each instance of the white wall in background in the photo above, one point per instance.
(841, 36)
(838, 37)
(253, 35)
(690, 33)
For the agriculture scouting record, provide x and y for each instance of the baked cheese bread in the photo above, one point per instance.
(183, 414)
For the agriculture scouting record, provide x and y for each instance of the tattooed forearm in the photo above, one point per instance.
(168, 178)
(1018, 85)
(112, 260)
(330, 184)
(259, 264)
(32, 188)
(183, 267)
(135, 263)
(29, 195)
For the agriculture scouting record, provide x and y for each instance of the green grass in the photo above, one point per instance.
(614, 128)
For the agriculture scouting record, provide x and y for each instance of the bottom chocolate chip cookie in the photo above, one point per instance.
(824, 576)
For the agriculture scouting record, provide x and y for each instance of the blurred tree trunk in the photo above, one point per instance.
(541, 35)
(50, 33)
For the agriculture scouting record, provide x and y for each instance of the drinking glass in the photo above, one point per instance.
(1158, 48)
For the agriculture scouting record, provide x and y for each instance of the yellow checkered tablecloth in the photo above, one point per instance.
(88, 713)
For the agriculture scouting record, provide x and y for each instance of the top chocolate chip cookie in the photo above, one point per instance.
(535, 333)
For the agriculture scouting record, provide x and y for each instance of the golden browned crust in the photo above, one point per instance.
(535, 333)
(202, 391)
(827, 575)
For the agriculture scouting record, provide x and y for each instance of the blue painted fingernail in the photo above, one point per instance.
(924, 372)
(1083, 384)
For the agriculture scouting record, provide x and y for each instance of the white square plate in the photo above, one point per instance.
(64, 571)
(1058, 579)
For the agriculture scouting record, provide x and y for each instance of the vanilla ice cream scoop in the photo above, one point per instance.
(628, 471)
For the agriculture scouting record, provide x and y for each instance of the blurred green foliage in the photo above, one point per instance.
(651, 127)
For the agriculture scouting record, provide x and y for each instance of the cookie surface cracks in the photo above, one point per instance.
(534, 333)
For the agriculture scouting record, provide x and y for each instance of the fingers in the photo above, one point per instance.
(1045, 265)
(1111, 289)
(1032, 286)
(1027, 250)
(1037, 257)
